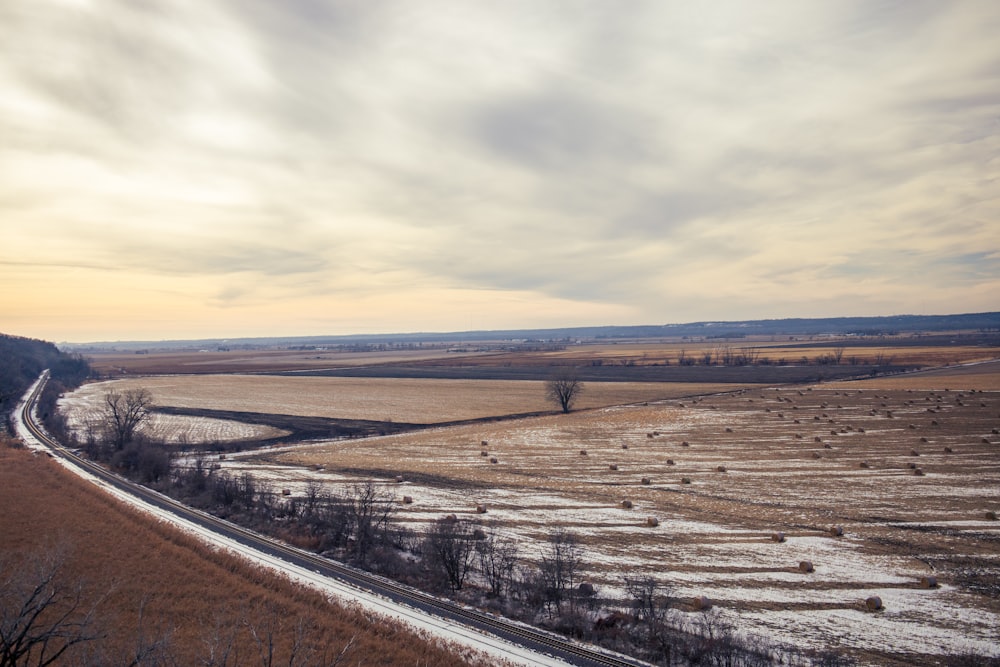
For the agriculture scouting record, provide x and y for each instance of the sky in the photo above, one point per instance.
(208, 168)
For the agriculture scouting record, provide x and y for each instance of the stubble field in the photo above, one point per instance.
(908, 466)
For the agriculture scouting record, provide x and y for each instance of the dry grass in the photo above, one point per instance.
(191, 592)
(417, 401)
(715, 537)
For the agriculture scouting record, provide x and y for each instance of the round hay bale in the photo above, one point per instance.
(613, 466)
(484, 443)
(685, 444)
(479, 534)
(685, 480)
(701, 603)
(929, 581)
(493, 459)
(484, 453)
(647, 481)
(451, 518)
(624, 445)
(670, 462)
(399, 479)
(836, 531)
(816, 455)
(986, 441)
(914, 452)
(480, 509)
(806, 566)
(649, 435)
(777, 536)
(991, 515)
(948, 450)
(995, 431)
(627, 504)
(798, 436)
(874, 603)
(656, 433)
(729, 430)
(583, 452)
(286, 492)
(864, 464)
(585, 589)
(934, 422)
(917, 472)
(817, 439)
(861, 430)
(913, 426)
(923, 439)
(652, 521)
(720, 468)
(407, 500)
(827, 445)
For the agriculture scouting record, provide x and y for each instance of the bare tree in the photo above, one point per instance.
(41, 616)
(560, 566)
(450, 545)
(651, 604)
(563, 389)
(124, 412)
(369, 511)
(497, 560)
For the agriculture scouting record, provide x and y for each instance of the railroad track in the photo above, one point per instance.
(527, 637)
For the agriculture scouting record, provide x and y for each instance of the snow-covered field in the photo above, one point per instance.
(792, 463)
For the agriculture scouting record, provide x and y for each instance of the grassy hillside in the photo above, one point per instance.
(154, 592)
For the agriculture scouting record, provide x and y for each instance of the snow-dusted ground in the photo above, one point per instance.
(83, 415)
(713, 534)
(496, 650)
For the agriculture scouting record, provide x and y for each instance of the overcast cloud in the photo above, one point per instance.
(192, 169)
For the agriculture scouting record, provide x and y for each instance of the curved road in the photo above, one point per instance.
(527, 637)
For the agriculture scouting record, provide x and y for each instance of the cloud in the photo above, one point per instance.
(658, 162)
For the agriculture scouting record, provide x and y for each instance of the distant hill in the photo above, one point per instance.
(860, 326)
(23, 359)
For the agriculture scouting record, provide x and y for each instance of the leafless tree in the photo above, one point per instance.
(651, 604)
(560, 566)
(563, 389)
(497, 560)
(42, 617)
(369, 511)
(838, 354)
(450, 546)
(124, 412)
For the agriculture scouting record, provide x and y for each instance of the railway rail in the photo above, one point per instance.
(525, 636)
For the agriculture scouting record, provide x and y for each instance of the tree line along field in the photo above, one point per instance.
(158, 594)
(475, 358)
(906, 466)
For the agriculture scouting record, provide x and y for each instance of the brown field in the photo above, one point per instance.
(192, 596)
(796, 460)
(713, 535)
(416, 401)
(626, 352)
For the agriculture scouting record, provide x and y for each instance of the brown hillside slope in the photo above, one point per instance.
(202, 606)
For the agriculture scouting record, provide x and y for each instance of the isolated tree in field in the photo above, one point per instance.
(124, 412)
(563, 389)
